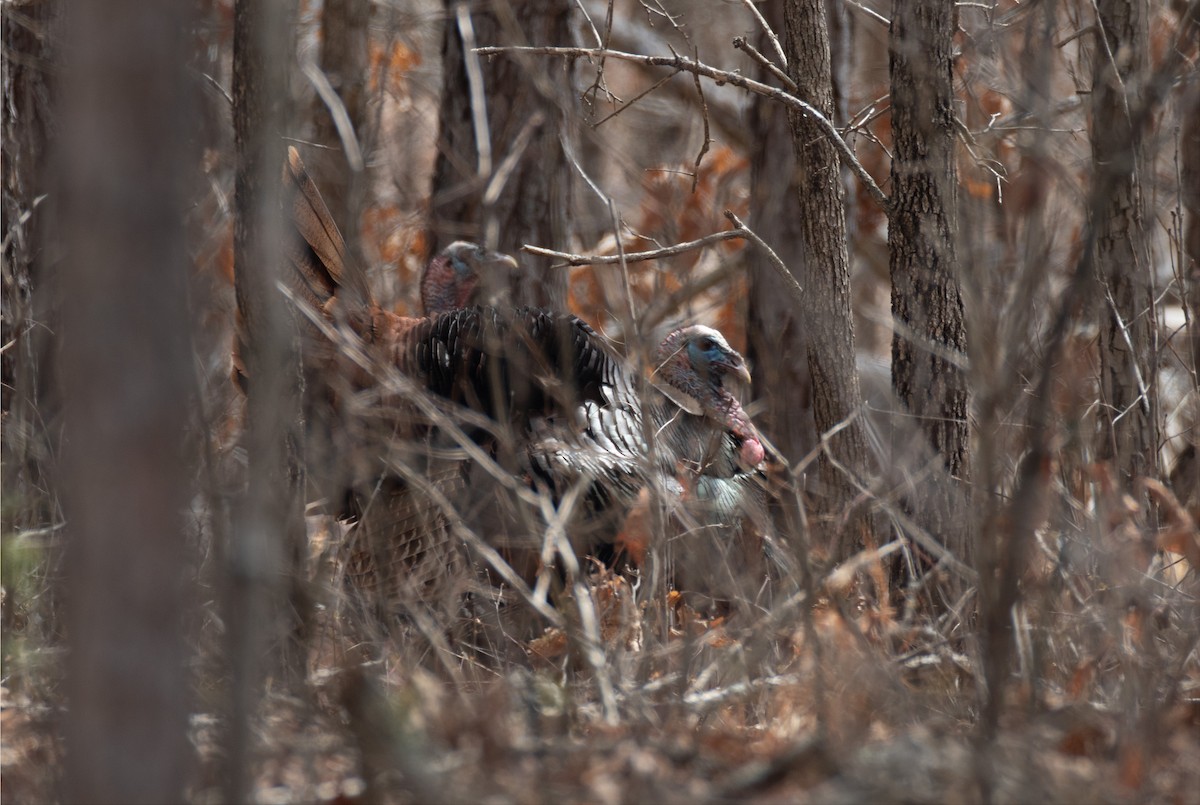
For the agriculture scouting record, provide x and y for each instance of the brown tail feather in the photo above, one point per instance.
(316, 251)
(319, 255)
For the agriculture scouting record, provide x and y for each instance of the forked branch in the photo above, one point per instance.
(721, 77)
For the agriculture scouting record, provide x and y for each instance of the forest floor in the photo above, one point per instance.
(854, 708)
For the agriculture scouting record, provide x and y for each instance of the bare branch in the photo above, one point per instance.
(707, 133)
(740, 43)
(873, 14)
(479, 116)
(635, 257)
(635, 99)
(337, 110)
(753, 9)
(721, 77)
(789, 280)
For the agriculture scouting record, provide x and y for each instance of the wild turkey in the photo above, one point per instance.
(343, 408)
(556, 407)
(320, 271)
(549, 402)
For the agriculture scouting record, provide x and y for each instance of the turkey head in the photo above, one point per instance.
(692, 366)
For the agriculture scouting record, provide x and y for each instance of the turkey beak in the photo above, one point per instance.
(505, 260)
(743, 373)
(735, 364)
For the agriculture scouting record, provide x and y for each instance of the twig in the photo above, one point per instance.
(337, 110)
(753, 9)
(588, 18)
(868, 113)
(1102, 35)
(479, 117)
(1069, 38)
(635, 257)
(922, 538)
(308, 143)
(841, 577)
(873, 14)
(635, 99)
(509, 163)
(789, 280)
(663, 307)
(740, 43)
(599, 83)
(707, 133)
(215, 84)
(721, 77)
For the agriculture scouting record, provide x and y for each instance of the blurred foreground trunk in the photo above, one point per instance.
(29, 83)
(267, 602)
(128, 165)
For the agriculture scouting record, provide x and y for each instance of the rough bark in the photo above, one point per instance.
(1123, 269)
(344, 52)
(530, 197)
(268, 545)
(929, 342)
(776, 343)
(127, 168)
(826, 282)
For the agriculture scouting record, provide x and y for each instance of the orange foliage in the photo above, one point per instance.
(395, 240)
(393, 65)
(678, 204)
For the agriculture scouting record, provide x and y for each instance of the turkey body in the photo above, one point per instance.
(551, 409)
(562, 409)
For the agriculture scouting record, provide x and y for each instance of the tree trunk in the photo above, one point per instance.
(1185, 474)
(268, 551)
(128, 177)
(929, 343)
(775, 338)
(826, 273)
(344, 52)
(512, 186)
(1123, 270)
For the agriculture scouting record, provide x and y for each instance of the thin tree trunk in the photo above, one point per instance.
(826, 280)
(1185, 474)
(518, 152)
(776, 343)
(344, 52)
(929, 342)
(1123, 269)
(268, 550)
(128, 169)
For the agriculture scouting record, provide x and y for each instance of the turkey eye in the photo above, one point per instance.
(707, 344)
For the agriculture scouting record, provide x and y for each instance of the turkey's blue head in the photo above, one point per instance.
(695, 362)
